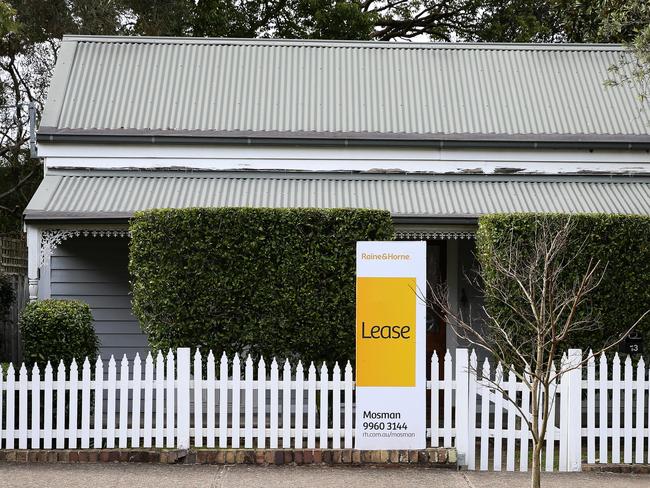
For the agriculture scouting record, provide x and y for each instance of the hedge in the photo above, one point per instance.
(621, 242)
(54, 330)
(270, 282)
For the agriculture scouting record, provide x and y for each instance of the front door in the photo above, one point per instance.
(436, 329)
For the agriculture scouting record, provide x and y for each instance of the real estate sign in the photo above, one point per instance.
(391, 342)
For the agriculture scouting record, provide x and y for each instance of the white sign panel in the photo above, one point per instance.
(391, 345)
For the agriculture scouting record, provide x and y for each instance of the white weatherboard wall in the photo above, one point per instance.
(242, 157)
(390, 406)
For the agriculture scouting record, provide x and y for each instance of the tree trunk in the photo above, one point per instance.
(537, 443)
(535, 474)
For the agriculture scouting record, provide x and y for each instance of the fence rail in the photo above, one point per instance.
(176, 400)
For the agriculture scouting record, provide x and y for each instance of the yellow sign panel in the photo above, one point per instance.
(386, 331)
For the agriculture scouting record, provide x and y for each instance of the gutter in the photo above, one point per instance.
(349, 140)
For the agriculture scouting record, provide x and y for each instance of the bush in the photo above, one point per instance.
(621, 242)
(272, 282)
(52, 330)
(7, 294)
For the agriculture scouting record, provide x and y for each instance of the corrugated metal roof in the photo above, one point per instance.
(273, 88)
(119, 194)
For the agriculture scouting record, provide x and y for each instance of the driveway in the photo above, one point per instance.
(166, 476)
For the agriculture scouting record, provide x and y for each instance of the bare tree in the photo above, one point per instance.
(542, 311)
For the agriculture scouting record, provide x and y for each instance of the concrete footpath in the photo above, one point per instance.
(170, 476)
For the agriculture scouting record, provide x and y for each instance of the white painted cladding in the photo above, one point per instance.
(368, 159)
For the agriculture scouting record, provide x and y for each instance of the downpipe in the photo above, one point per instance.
(33, 151)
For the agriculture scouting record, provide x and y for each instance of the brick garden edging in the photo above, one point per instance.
(432, 457)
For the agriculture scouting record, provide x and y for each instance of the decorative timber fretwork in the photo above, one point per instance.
(51, 238)
(432, 234)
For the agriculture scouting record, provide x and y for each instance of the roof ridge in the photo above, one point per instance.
(505, 46)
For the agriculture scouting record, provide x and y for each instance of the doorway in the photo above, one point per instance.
(436, 327)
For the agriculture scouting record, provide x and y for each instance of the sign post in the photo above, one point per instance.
(391, 344)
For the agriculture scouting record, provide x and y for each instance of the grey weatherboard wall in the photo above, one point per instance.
(95, 270)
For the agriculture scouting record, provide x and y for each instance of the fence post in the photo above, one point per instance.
(574, 411)
(462, 396)
(183, 397)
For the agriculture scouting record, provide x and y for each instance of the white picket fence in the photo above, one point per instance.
(176, 402)
(170, 407)
(497, 436)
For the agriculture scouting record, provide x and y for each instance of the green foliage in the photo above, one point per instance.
(620, 242)
(560, 20)
(631, 22)
(272, 282)
(8, 24)
(7, 294)
(324, 19)
(162, 18)
(320, 19)
(52, 330)
(517, 21)
(18, 182)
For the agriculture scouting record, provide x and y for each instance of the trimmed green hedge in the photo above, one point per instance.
(54, 330)
(272, 282)
(622, 242)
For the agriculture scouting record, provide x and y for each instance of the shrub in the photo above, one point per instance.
(266, 281)
(52, 330)
(7, 294)
(620, 242)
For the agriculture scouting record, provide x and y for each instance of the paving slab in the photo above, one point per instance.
(241, 476)
(557, 480)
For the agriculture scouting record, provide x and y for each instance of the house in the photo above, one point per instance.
(438, 134)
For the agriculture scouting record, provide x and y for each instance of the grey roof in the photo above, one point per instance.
(228, 89)
(114, 194)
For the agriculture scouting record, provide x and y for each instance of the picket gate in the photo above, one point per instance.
(176, 400)
(487, 429)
